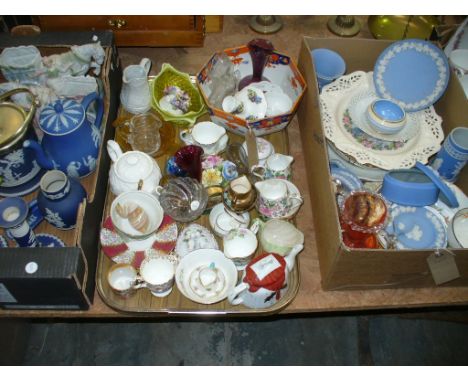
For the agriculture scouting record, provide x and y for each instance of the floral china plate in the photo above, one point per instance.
(412, 73)
(119, 251)
(348, 138)
(417, 227)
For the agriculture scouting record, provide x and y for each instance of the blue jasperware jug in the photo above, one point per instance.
(71, 141)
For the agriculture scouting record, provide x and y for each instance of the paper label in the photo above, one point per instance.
(265, 266)
(5, 295)
(252, 150)
(443, 267)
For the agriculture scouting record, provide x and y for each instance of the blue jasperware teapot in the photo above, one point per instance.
(71, 141)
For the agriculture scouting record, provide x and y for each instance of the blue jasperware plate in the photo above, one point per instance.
(417, 227)
(413, 73)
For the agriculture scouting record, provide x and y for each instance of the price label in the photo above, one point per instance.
(443, 267)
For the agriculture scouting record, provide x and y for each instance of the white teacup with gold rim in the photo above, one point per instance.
(240, 245)
(158, 275)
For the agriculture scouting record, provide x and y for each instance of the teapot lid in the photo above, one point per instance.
(61, 117)
(266, 271)
(133, 166)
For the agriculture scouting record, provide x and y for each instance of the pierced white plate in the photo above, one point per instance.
(365, 149)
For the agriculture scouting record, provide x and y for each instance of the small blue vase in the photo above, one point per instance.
(60, 198)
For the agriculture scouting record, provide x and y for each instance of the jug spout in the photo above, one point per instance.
(292, 255)
(41, 157)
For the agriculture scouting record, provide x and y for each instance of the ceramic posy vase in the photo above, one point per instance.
(59, 199)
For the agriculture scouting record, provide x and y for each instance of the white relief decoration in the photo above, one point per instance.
(90, 162)
(11, 170)
(96, 135)
(415, 234)
(72, 169)
(69, 118)
(54, 219)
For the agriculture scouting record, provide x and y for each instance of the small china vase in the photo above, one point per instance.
(59, 199)
(260, 50)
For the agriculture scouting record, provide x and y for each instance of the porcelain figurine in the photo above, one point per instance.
(71, 141)
(135, 95)
(265, 280)
(59, 199)
(132, 170)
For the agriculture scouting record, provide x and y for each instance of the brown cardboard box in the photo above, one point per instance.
(65, 277)
(340, 267)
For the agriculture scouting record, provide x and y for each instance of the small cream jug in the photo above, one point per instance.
(276, 166)
(132, 170)
(135, 95)
(211, 137)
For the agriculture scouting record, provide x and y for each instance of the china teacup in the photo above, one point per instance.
(222, 220)
(240, 245)
(211, 137)
(239, 195)
(122, 279)
(276, 166)
(275, 199)
(158, 275)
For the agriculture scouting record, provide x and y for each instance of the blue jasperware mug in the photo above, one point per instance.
(453, 155)
(329, 65)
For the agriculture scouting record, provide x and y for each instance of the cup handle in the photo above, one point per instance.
(157, 190)
(233, 297)
(256, 225)
(296, 200)
(139, 283)
(186, 136)
(258, 171)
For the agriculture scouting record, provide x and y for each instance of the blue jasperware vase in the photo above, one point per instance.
(59, 199)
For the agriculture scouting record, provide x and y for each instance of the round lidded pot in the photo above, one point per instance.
(386, 116)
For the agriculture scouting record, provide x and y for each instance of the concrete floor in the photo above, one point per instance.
(385, 339)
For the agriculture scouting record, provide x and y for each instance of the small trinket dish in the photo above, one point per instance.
(386, 116)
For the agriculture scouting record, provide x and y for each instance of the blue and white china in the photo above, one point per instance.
(445, 191)
(417, 227)
(3, 242)
(71, 141)
(34, 217)
(412, 73)
(59, 199)
(17, 167)
(329, 65)
(409, 187)
(386, 116)
(13, 214)
(453, 155)
(348, 180)
(368, 173)
(48, 240)
(358, 109)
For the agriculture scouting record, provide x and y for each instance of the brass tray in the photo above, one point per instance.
(176, 303)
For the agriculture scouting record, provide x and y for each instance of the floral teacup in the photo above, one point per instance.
(276, 200)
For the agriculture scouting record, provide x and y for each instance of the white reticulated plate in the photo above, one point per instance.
(413, 73)
(365, 149)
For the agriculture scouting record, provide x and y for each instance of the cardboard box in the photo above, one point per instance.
(340, 267)
(64, 278)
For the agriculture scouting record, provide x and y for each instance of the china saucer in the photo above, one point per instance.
(113, 246)
(25, 188)
(206, 276)
(48, 240)
(417, 227)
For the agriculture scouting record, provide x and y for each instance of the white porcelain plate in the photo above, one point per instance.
(188, 276)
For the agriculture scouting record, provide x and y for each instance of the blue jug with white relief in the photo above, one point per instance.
(71, 141)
